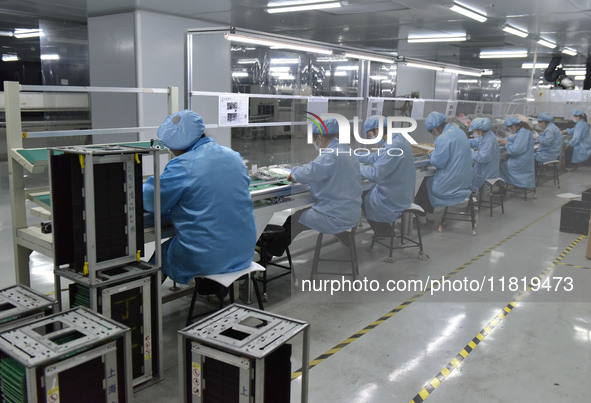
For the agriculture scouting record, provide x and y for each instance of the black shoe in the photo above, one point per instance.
(345, 240)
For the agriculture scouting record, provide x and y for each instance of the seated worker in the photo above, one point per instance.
(518, 169)
(579, 146)
(205, 190)
(452, 182)
(485, 154)
(394, 176)
(550, 140)
(335, 186)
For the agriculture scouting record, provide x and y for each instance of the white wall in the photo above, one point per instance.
(411, 79)
(111, 41)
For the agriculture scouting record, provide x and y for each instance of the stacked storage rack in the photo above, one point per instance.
(73, 356)
(96, 198)
(20, 304)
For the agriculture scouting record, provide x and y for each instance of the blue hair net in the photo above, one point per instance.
(331, 125)
(578, 112)
(480, 124)
(433, 120)
(373, 122)
(512, 121)
(181, 130)
(545, 117)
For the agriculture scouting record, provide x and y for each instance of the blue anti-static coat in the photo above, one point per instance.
(394, 177)
(486, 159)
(452, 157)
(518, 169)
(206, 192)
(335, 185)
(581, 141)
(550, 144)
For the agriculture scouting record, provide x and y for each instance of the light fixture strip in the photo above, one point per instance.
(294, 3)
(308, 7)
(442, 38)
(369, 57)
(569, 51)
(502, 54)
(515, 31)
(468, 12)
(531, 65)
(424, 66)
(547, 43)
(275, 43)
(462, 72)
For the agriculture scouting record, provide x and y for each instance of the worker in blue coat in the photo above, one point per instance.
(550, 140)
(579, 146)
(452, 182)
(205, 190)
(335, 186)
(485, 152)
(391, 168)
(518, 169)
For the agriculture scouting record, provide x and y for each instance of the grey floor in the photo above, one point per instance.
(452, 346)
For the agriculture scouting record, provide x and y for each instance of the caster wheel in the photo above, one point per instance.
(389, 260)
(265, 297)
(423, 256)
(296, 282)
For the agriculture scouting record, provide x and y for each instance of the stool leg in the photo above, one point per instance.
(190, 315)
(472, 217)
(491, 200)
(316, 256)
(556, 175)
(402, 229)
(353, 254)
(480, 192)
(442, 220)
(257, 292)
(293, 275)
(419, 235)
(232, 296)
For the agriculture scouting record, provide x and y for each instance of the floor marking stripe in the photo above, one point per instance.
(409, 301)
(574, 265)
(494, 322)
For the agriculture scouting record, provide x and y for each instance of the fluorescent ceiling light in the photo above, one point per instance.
(276, 43)
(515, 31)
(248, 61)
(378, 77)
(462, 71)
(468, 12)
(27, 33)
(6, 33)
(487, 72)
(283, 76)
(569, 51)
(424, 66)
(531, 65)
(501, 54)
(579, 78)
(458, 37)
(340, 73)
(50, 57)
(305, 7)
(547, 43)
(494, 81)
(468, 81)
(349, 68)
(284, 61)
(575, 72)
(239, 74)
(294, 3)
(283, 69)
(10, 58)
(369, 57)
(332, 59)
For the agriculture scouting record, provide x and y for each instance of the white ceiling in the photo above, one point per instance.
(374, 24)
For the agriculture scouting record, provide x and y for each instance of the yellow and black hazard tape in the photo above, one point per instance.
(574, 265)
(494, 322)
(409, 301)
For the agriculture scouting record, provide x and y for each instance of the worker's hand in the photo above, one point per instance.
(502, 141)
(564, 131)
(289, 178)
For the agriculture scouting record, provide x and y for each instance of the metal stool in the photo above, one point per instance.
(225, 280)
(514, 188)
(461, 216)
(349, 236)
(274, 233)
(553, 165)
(417, 211)
(499, 192)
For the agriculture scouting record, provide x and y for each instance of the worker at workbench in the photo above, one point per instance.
(518, 170)
(335, 186)
(205, 190)
(452, 157)
(391, 168)
(579, 146)
(485, 152)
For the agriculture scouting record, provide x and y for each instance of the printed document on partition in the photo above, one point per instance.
(233, 110)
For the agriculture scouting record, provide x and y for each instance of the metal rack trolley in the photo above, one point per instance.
(242, 337)
(20, 304)
(54, 356)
